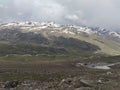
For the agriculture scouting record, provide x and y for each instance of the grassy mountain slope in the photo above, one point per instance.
(58, 45)
(106, 45)
(55, 39)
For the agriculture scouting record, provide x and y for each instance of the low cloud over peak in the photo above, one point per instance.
(103, 13)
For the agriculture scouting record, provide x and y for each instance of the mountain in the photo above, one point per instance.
(51, 38)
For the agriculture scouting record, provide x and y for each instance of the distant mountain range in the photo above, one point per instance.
(51, 38)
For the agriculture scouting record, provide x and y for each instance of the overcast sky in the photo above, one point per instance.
(100, 13)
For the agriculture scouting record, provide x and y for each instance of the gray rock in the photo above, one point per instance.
(67, 81)
(86, 83)
(11, 84)
(84, 88)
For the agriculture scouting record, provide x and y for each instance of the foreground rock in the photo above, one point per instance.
(11, 84)
(77, 83)
(84, 88)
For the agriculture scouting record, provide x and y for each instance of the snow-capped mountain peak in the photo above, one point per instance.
(52, 27)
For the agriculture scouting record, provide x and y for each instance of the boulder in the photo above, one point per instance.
(84, 88)
(11, 84)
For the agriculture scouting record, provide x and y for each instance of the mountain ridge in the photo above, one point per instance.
(107, 41)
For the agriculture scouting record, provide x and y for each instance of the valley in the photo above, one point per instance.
(49, 56)
(58, 74)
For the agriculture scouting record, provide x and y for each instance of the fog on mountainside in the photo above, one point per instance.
(95, 13)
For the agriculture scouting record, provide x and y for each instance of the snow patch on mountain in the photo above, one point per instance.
(115, 34)
(68, 32)
(52, 27)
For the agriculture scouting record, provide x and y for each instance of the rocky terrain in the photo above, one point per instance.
(49, 56)
(60, 74)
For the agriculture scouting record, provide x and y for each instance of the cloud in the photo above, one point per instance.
(72, 17)
(49, 11)
(20, 13)
(1, 6)
(104, 13)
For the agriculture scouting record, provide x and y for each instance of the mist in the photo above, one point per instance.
(95, 13)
